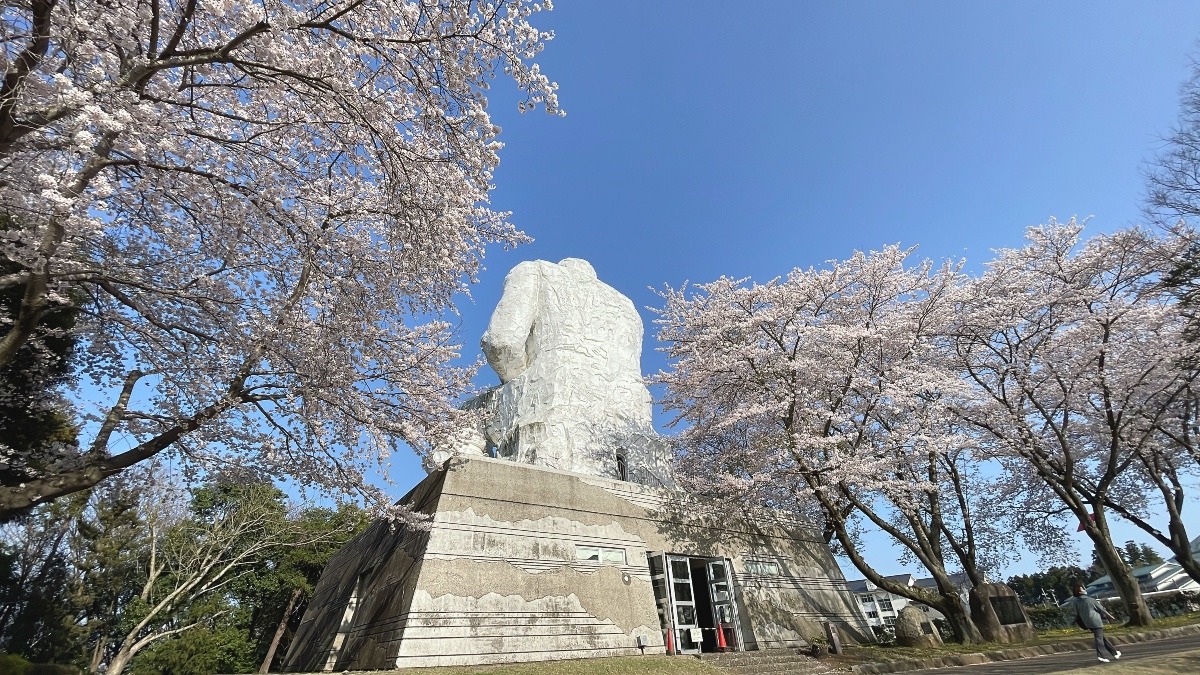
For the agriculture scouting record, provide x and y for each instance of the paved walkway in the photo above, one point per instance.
(1058, 663)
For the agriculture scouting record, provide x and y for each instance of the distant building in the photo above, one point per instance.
(1160, 577)
(1163, 577)
(882, 607)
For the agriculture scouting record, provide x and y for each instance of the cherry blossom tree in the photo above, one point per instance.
(821, 393)
(1079, 371)
(262, 211)
(1168, 460)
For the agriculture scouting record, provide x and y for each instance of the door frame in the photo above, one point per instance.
(673, 603)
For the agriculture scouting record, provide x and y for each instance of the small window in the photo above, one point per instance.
(767, 569)
(685, 615)
(622, 466)
(600, 554)
(889, 620)
(872, 615)
(885, 604)
(680, 569)
(717, 571)
(866, 599)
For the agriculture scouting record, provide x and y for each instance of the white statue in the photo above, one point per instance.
(567, 348)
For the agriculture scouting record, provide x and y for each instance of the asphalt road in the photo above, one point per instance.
(1058, 663)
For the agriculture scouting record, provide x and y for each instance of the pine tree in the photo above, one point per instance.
(1096, 569)
(1132, 554)
(279, 590)
(36, 572)
(111, 546)
(1150, 556)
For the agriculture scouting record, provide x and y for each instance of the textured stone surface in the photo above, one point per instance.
(913, 629)
(496, 578)
(567, 348)
(996, 610)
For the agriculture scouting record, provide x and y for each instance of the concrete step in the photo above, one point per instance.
(756, 655)
(761, 660)
(775, 668)
(765, 662)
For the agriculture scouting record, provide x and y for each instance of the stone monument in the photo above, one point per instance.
(567, 349)
(996, 609)
(914, 629)
(555, 531)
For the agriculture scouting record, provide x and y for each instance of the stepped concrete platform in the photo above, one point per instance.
(768, 662)
(528, 563)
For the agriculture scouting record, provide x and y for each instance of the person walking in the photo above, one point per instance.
(1088, 613)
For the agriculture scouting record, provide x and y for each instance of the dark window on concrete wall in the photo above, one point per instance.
(622, 466)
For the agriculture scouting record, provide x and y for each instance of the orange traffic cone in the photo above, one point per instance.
(721, 646)
(670, 642)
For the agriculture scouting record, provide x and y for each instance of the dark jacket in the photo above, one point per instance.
(1090, 611)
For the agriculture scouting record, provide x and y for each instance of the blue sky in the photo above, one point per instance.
(746, 139)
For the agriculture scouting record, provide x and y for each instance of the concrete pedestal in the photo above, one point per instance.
(524, 563)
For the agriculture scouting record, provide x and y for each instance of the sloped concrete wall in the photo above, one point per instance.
(497, 577)
(386, 561)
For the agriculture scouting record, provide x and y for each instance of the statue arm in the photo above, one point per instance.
(504, 343)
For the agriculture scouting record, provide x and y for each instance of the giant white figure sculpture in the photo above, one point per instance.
(567, 349)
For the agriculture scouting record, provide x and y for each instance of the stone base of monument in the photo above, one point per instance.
(997, 611)
(524, 563)
(913, 629)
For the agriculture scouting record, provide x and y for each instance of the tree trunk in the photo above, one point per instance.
(947, 600)
(1189, 564)
(119, 661)
(1166, 478)
(97, 655)
(279, 631)
(961, 624)
(1121, 576)
(1177, 541)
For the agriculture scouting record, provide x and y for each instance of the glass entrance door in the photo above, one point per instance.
(724, 608)
(683, 601)
(695, 601)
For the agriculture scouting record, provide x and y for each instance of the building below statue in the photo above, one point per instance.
(525, 563)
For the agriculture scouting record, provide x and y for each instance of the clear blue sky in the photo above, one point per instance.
(746, 139)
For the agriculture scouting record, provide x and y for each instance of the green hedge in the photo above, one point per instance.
(1044, 617)
(51, 669)
(15, 664)
(1164, 605)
